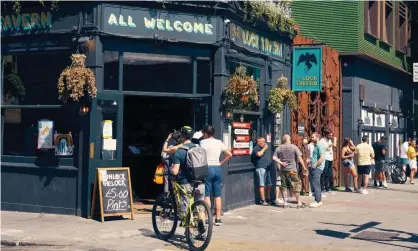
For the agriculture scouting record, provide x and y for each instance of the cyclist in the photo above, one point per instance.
(179, 169)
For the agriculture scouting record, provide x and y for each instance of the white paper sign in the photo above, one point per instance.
(45, 134)
(241, 132)
(226, 140)
(109, 144)
(107, 129)
(415, 72)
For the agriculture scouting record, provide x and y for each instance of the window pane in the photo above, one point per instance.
(20, 129)
(38, 74)
(108, 110)
(157, 73)
(204, 76)
(111, 70)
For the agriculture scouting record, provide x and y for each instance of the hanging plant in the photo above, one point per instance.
(277, 15)
(14, 89)
(77, 80)
(241, 92)
(280, 96)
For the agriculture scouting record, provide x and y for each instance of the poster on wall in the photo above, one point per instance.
(107, 129)
(45, 134)
(241, 138)
(63, 144)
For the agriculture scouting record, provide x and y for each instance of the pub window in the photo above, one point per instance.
(111, 70)
(157, 73)
(402, 29)
(371, 18)
(387, 22)
(30, 102)
(204, 75)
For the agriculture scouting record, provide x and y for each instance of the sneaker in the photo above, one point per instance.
(385, 184)
(364, 191)
(356, 190)
(311, 194)
(218, 222)
(280, 201)
(263, 203)
(347, 189)
(334, 188)
(375, 185)
(315, 204)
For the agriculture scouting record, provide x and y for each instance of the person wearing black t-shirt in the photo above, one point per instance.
(380, 149)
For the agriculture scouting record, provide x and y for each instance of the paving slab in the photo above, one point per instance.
(382, 220)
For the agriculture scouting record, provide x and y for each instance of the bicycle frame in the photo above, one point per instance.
(178, 189)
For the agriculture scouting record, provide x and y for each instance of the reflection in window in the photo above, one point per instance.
(111, 70)
(204, 76)
(367, 117)
(157, 73)
(107, 112)
(26, 76)
(20, 128)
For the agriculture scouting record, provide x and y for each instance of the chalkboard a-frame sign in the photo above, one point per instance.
(113, 187)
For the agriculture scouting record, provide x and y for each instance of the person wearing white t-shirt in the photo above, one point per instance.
(404, 156)
(327, 178)
(213, 183)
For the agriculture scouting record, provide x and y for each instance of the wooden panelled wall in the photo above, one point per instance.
(320, 111)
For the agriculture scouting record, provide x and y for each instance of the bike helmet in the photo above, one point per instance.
(187, 132)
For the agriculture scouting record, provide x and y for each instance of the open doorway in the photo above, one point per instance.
(147, 123)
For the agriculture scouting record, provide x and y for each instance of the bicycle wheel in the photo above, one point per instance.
(399, 176)
(199, 226)
(164, 216)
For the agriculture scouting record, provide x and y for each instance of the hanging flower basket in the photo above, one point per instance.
(76, 81)
(14, 89)
(280, 96)
(241, 92)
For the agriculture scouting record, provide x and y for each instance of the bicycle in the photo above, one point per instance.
(197, 214)
(394, 172)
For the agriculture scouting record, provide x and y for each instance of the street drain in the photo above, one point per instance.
(375, 236)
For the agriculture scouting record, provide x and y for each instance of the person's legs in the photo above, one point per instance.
(278, 184)
(413, 167)
(209, 186)
(316, 183)
(354, 174)
(267, 179)
(260, 173)
(323, 179)
(296, 185)
(327, 171)
(345, 174)
(217, 192)
(284, 184)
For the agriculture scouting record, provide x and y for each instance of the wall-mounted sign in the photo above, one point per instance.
(241, 125)
(415, 72)
(240, 151)
(45, 134)
(63, 144)
(301, 129)
(159, 24)
(26, 21)
(241, 132)
(241, 138)
(254, 41)
(307, 69)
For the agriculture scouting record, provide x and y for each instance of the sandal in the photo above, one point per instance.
(301, 206)
(412, 183)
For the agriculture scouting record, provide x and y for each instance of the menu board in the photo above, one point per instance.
(113, 187)
(241, 142)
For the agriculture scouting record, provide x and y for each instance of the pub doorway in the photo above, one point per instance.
(147, 123)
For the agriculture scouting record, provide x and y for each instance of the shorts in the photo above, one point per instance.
(404, 161)
(213, 183)
(198, 196)
(290, 179)
(413, 164)
(263, 177)
(348, 163)
(378, 166)
(364, 170)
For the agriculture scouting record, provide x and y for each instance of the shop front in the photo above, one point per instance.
(156, 70)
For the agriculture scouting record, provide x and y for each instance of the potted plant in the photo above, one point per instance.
(13, 89)
(241, 92)
(76, 81)
(280, 96)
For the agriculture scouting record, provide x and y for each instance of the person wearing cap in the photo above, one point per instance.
(213, 183)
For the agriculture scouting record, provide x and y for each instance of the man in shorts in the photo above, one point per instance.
(380, 149)
(404, 156)
(287, 156)
(262, 164)
(365, 156)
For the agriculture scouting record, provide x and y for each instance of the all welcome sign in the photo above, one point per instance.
(307, 69)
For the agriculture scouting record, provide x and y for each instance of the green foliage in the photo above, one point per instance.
(17, 7)
(14, 87)
(277, 15)
(280, 96)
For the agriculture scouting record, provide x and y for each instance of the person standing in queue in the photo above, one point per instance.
(262, 164)
(365, 158)
(317, 166)
(213, 183)
(171, 145)
(412, 156)
(380, 149)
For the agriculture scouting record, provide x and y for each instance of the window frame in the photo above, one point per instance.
(372, 18)
(63, 162)
(387, 33)
(402, 33)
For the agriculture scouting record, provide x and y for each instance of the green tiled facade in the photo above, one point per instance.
(340, 24)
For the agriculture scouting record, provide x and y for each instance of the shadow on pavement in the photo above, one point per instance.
(179, 241)
(393, 234)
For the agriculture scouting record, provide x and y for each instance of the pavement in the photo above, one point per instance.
(382, 220)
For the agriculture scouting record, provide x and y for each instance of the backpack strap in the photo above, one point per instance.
(187, 148)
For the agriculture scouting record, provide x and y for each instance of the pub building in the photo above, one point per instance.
(157, 67)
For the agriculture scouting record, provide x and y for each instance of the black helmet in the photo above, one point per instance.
(187, 132)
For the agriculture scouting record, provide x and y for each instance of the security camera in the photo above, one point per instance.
(227, 21)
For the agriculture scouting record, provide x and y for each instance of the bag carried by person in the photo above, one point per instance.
(159, 174)
(196, 163)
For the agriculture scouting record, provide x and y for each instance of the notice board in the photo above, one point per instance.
(112, 186)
